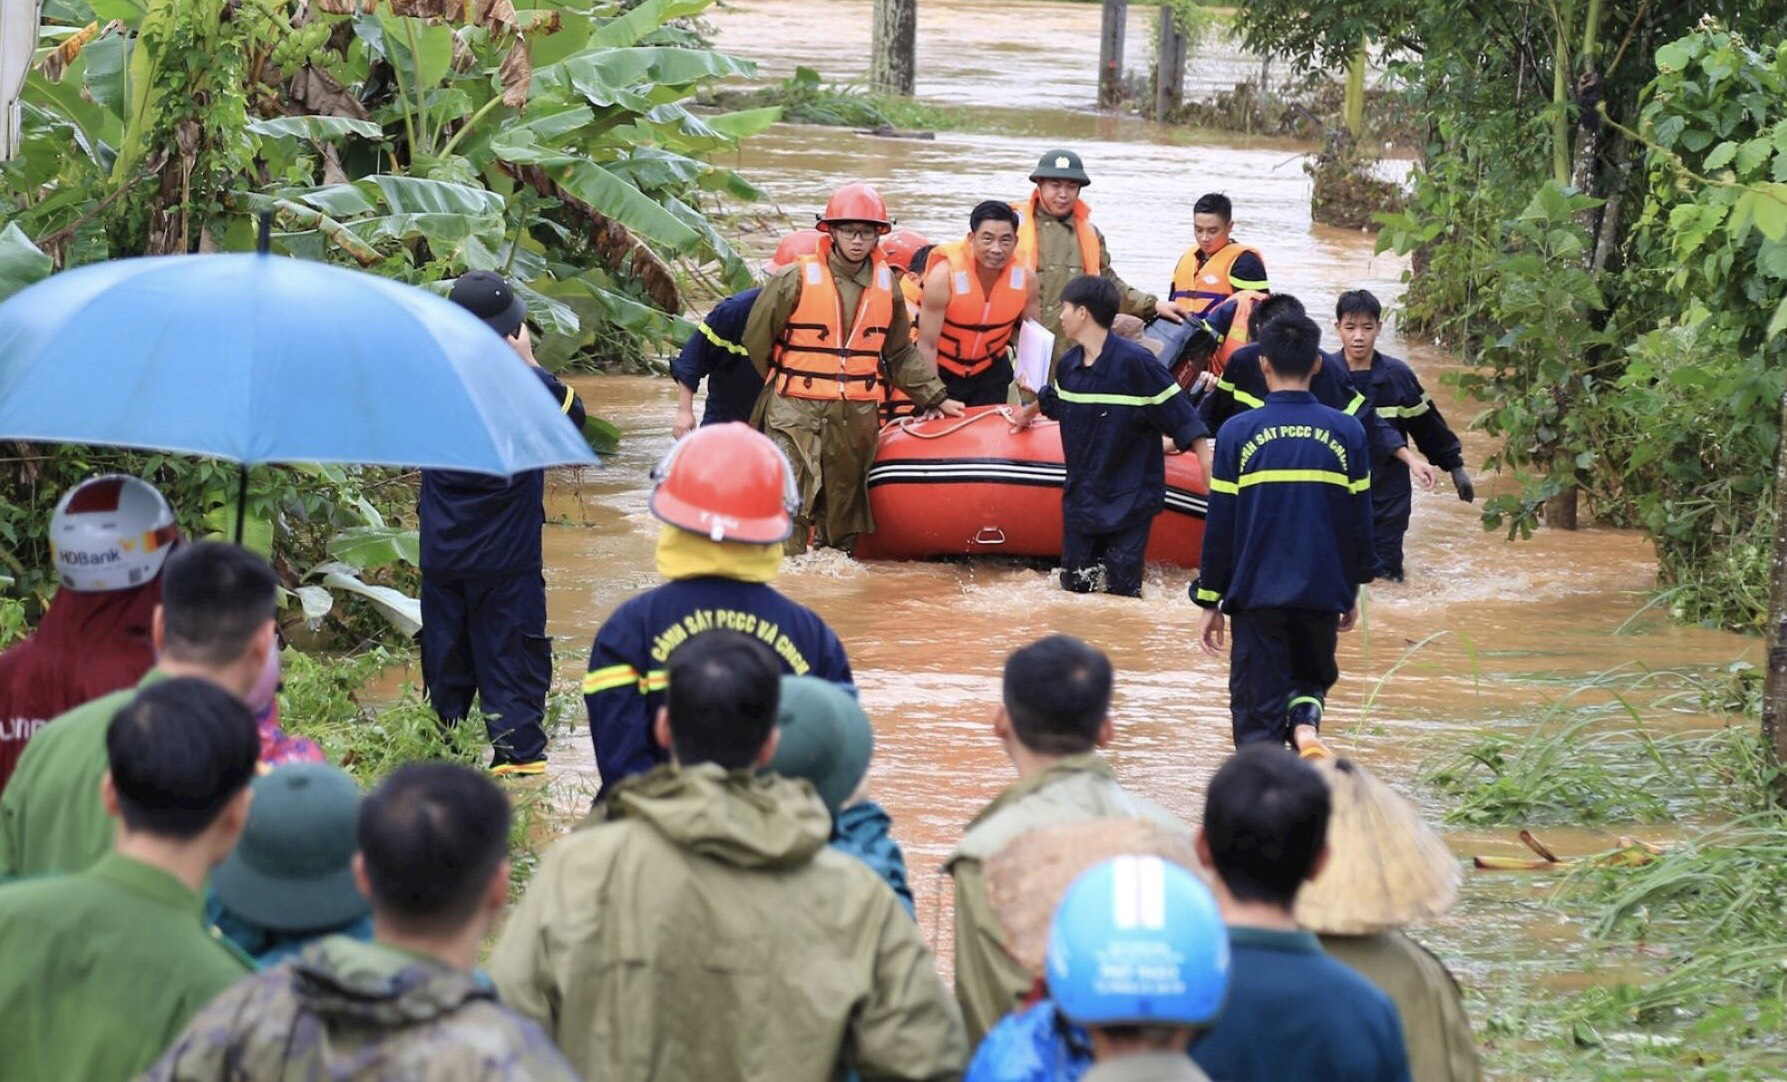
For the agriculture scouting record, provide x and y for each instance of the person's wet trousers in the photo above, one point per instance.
(1281, 665)
(1392, 495)
(1119, 554)
(485, 636)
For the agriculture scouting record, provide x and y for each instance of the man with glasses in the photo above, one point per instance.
(828, 334)
(974, 298)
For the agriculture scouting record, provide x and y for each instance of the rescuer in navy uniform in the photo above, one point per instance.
(483, 594)
(727, 498)
(1120, 411)
(1287, 544)
(1242, 386)
(1397, 395)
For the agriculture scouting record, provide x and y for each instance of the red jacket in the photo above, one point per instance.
(88, 645)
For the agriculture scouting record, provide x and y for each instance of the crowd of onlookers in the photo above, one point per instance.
(180, 909)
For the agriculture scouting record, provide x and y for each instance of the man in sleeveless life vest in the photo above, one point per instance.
(714, 352)
(726, 497)
(827, 335)
(109, 537)
(975, 296)
(1216, 267)
(1057, 240)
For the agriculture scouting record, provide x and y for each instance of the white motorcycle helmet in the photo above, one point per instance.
(111, 532)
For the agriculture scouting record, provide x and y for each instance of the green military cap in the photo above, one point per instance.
(292, 869)
(1061, 165)
(826, 738)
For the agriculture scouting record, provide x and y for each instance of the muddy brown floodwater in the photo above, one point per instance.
(1502, 626)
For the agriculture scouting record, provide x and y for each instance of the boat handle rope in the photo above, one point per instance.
(909, 425)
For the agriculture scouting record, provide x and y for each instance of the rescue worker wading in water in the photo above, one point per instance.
(827, 335)
(1216, 268)
(974, 298)
(1057, 240)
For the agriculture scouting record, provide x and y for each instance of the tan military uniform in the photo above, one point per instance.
(1441, 1045)
(989, 981)
(1058, 263)
(831, 444)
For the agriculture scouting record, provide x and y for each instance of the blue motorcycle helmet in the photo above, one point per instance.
(1138, 940)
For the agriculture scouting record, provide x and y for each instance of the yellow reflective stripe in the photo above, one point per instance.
(1242, 283)
(1353, 406)
(656, 680)
(1405, 412)
(1116, 399)
(713, 336)
(1217, 484)
(1239, 395)
(607, 679)
(1279, 477)
(570, 397)
(1208, 595)
(1301, 699)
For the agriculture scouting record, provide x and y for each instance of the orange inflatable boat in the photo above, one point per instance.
(971, 486)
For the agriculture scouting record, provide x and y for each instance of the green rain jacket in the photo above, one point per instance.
(51, 817)
(706, 931)
(345, 1009)
(990, 983)
(1441, 1045)
(99, 971)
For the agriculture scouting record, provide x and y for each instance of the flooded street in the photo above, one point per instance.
(1503, 627)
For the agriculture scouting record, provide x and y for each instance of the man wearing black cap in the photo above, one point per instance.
(483, 594)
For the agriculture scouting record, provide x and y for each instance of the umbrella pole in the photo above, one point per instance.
(241, 499)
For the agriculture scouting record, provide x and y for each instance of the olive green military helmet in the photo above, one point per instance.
(1061, 165)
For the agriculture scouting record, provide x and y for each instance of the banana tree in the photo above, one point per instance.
(416, 138)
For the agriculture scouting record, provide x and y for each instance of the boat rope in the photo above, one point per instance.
(909, 425)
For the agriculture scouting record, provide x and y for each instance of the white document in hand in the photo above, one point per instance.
(1036, 348)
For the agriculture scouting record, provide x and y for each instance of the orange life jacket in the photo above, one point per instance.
(1026, 254)
(912, 289)
(977, 325)
(1237, 334)
(1208, 284)
(814, 357)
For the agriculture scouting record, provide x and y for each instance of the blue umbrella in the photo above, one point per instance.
(256, 358)
(260, 359)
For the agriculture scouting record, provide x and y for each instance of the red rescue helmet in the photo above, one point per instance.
(856, 203)
(727, 482)
(901, 245)
(794, 245)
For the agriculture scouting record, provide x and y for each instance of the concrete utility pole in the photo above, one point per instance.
(18, 39)
(893, 47)
(1169, 67)
(1110, 53)
(1774, 681)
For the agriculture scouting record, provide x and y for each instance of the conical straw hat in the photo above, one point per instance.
(1386, 866)
(1026, 879)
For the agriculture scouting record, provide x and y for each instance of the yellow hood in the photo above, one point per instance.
(685, 555)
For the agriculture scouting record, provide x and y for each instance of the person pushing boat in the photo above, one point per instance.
(1057, 240)
(974, 297)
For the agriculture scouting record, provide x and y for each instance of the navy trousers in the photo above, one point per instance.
(485, 636)
(1281, 663)
(1118, 555)
(1391, 499)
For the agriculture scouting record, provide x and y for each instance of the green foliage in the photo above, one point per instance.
(1539, 374)
(554, 145)
(1629, 346)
